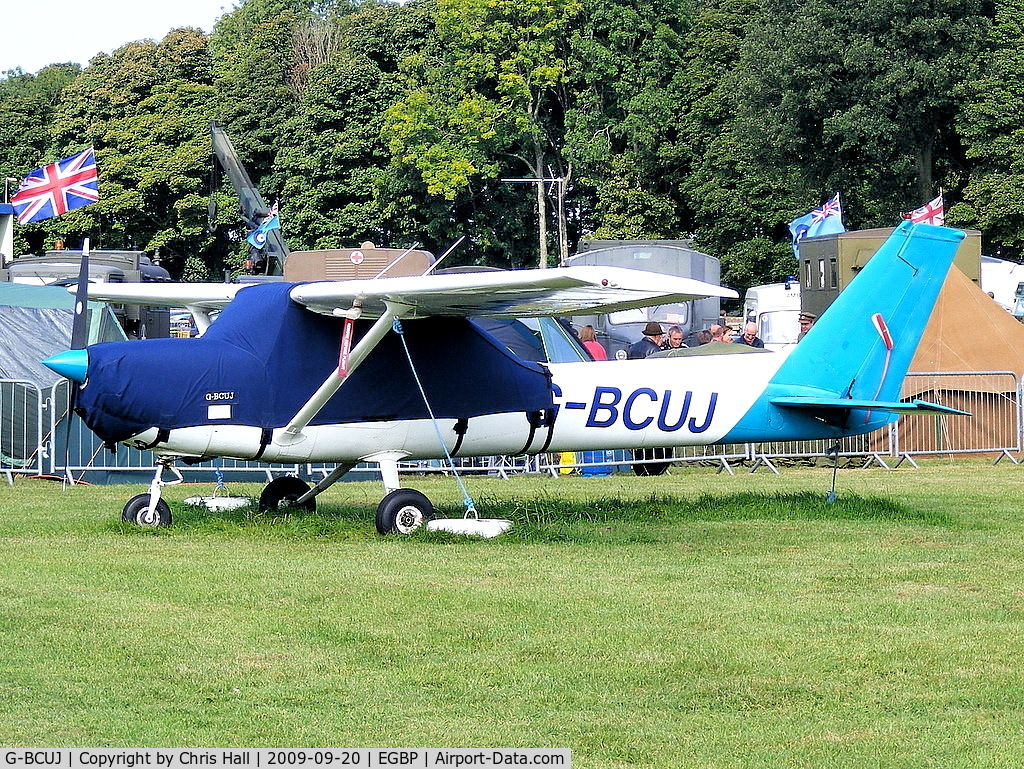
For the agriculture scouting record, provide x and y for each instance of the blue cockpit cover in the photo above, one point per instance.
(265, 356)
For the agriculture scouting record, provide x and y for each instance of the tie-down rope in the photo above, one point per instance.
(467, 501)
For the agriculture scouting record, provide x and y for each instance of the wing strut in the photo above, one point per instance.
(336, 379)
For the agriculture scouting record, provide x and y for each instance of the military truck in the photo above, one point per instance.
(829, 262)
(60, 267)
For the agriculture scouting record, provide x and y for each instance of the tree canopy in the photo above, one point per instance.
(716, 121)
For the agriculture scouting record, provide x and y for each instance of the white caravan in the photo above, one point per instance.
(775, 308)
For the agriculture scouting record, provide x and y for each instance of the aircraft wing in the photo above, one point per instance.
(898, 407)
(209, 296)
(507, 294)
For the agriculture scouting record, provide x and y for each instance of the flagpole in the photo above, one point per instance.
(7, 226)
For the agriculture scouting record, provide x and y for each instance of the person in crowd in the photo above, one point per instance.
(717, 333)
(588, 337)
(674, 340)
(703, 336)
(728, 335)
(750, 337)
(650, 343)
(806, 321)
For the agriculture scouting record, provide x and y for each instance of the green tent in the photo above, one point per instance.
(35, 323)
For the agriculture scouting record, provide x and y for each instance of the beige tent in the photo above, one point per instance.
(970, 333)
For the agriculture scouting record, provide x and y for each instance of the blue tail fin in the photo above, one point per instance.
(844, 377)
(862, 346)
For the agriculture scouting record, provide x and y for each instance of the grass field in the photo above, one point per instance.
(690, 620)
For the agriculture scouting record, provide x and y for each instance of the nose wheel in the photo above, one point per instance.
(150, 510)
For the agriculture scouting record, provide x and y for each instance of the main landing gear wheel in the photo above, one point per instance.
(403, 511)
(137, 512)
(281, 493)
(651, 468)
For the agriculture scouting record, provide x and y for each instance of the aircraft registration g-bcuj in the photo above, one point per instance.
(390, 369)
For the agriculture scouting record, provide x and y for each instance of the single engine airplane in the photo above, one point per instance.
(388, 369)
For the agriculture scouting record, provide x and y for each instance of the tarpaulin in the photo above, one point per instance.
(265, 356)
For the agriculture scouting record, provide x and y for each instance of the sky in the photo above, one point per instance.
(35, 33)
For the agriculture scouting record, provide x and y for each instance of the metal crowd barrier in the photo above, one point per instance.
(35, 439)
(992, 397)
(22, 442)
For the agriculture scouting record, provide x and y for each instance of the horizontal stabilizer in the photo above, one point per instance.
(816, 403)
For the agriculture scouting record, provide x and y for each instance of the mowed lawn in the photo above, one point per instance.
(697, 619)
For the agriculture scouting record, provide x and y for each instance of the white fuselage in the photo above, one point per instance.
(656, 402)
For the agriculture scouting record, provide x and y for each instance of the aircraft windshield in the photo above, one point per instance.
(560, 346)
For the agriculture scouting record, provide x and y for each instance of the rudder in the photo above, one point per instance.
(863, 344)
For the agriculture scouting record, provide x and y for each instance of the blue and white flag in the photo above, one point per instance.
(826, 220)
(258, 237)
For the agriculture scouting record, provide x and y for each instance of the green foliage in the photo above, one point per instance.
(253, 59)
(27, 104)
(740, 208)
(332, 169)
(623, 119)
(824, 86)
(483, 101)
(446, 146)
(993, 200)
(628, 209)
(712, 120)
(26, 108)
(756, 261)
(145, 108)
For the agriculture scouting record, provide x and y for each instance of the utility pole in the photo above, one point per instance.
(563, 237)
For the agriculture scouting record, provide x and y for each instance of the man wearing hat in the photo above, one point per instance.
(806, 321)
(651, 342)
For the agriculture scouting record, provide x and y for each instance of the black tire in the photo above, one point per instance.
(403, 511)
(137, 512)
(281, 493)
(653, 468)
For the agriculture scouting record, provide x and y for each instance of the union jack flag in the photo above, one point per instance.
(827, 220)
(831, 208)
(57, 188)
(932, 212)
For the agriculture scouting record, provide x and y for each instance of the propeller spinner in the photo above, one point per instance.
(71, 364)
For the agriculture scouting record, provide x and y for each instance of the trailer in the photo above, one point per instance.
(618, 330)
